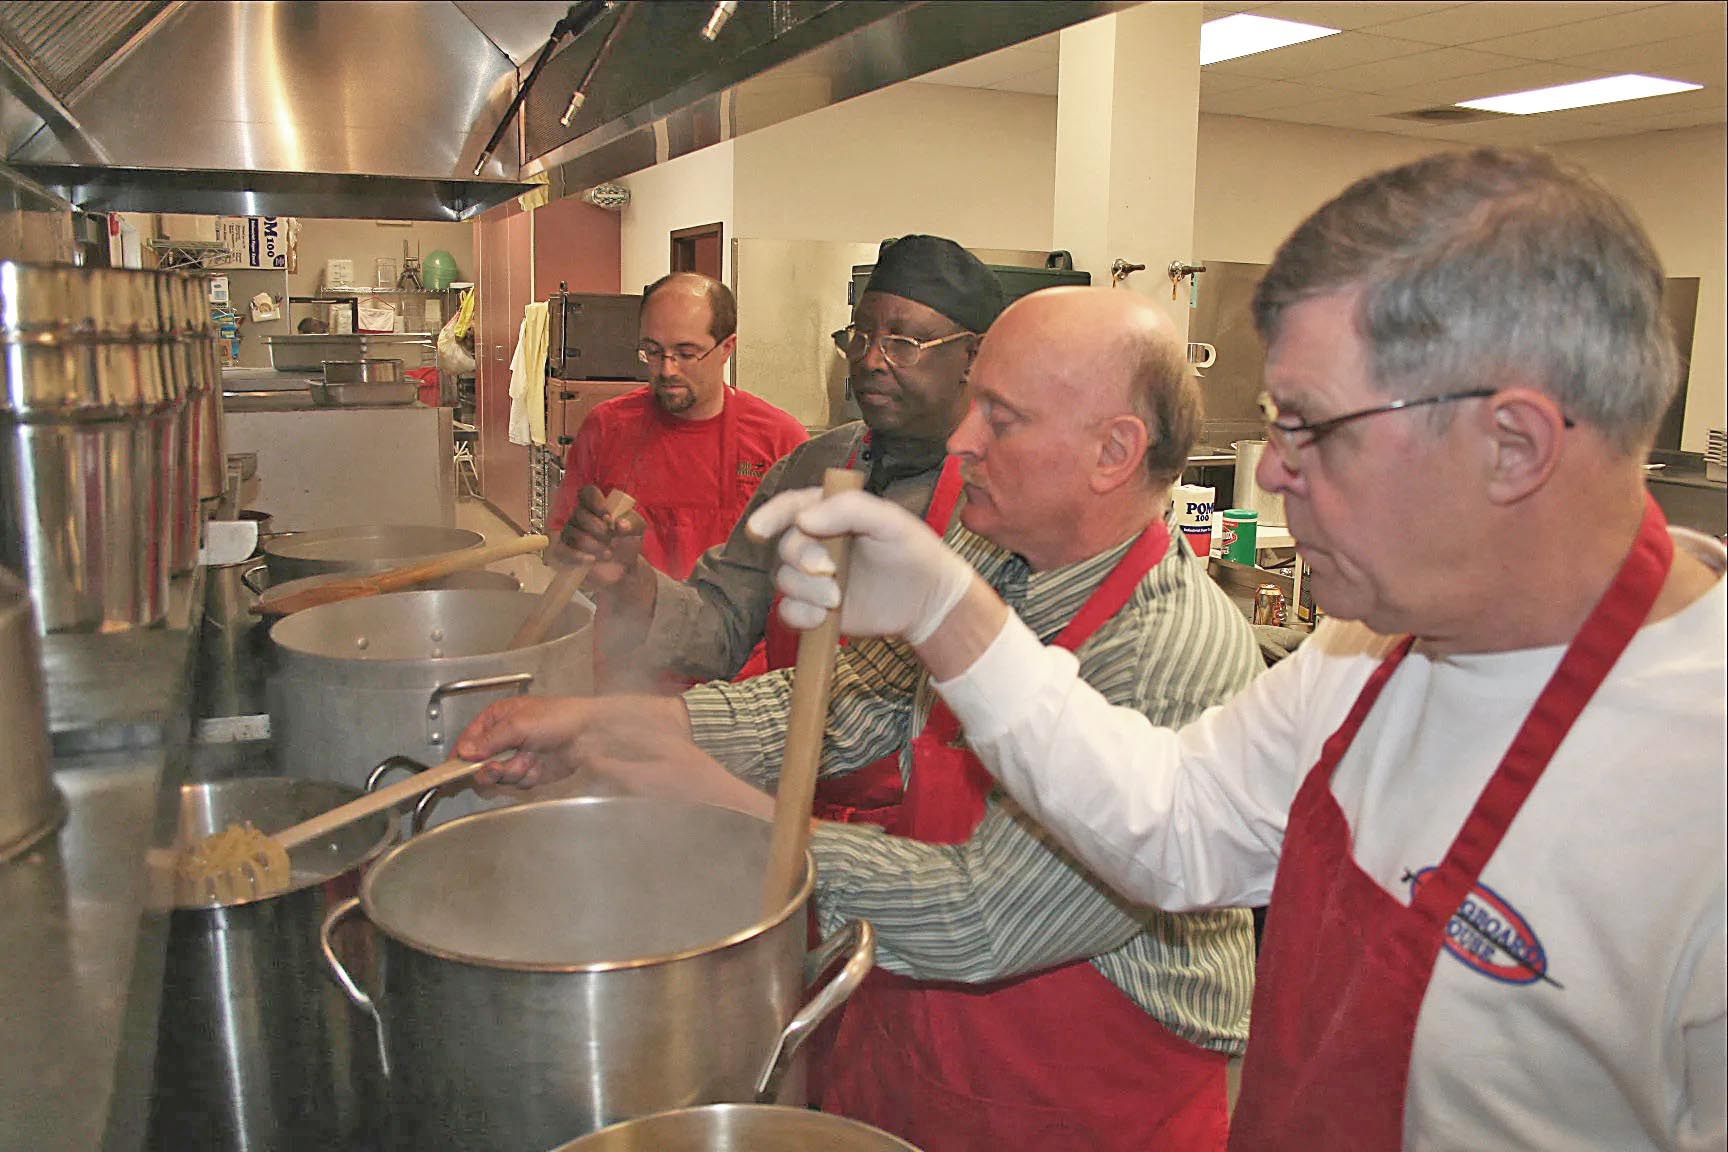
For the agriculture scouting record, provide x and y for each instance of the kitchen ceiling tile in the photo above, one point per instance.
(1315, 56)
(1523, 78)
(1217, 83)
(1338, 109)
(1697, 118)
(1267, 97)
(1351, 14)
(1469, 23)
(1216, 9)
(1421, 68)
(1686, 18)
(1688, 58)
(1698, 100)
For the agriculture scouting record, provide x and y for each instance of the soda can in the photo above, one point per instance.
(1241, 526)
(1269, 605)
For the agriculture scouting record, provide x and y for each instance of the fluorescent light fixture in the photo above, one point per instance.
(1584, 94)
(1245, 34)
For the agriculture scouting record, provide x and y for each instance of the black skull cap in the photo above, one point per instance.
(939, 274)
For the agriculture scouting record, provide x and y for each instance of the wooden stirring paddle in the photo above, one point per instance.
(395, 579)
(564, 585)
(812, 677)
(242, 863)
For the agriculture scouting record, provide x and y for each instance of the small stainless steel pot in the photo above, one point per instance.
(551, 968)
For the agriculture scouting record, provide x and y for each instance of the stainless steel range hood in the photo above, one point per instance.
(368, 108)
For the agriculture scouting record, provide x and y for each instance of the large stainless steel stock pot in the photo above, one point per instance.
(359, 681)
(551, 968)
(739, 1128)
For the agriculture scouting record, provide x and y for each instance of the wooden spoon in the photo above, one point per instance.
(812, 677)
(395, 579)
(564, 585)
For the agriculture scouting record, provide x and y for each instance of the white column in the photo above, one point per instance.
(1127, 121)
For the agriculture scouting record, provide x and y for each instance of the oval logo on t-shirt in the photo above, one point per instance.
(1488, 935)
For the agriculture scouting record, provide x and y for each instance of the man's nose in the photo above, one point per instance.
(966, 439)
(1274, 473)
(874, 359)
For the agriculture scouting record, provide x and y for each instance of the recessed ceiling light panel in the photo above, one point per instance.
(1584, 94)
(1245, 34)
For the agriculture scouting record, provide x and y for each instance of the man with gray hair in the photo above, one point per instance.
(1485, 799)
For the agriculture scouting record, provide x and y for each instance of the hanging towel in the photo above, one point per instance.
(528, 379)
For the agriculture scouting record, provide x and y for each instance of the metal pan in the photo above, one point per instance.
(363, 549)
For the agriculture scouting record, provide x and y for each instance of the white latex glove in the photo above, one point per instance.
(903, 581)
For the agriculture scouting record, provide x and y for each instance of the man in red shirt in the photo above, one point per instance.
(689, 448)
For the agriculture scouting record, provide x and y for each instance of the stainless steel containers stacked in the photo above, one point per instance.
(210, 457)
(30, 805)
(88, 444)
(188, 345)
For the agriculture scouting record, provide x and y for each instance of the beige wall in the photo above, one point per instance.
(974, 165)
(1257, 179)
(981, 169)
(684, 193)
(1677, 183)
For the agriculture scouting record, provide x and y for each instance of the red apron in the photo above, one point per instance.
(1344, 966)
(871, 794)
(1060, 1060)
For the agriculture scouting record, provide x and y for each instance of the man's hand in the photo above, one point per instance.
(542, 729)
(614, 542)
(555, 736)
(903, 580)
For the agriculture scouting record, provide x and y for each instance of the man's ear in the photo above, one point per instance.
(1122, 449)
(1524, 430)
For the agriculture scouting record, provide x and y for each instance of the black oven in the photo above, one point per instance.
(592, 336)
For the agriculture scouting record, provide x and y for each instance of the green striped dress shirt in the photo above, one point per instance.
(1010, 901)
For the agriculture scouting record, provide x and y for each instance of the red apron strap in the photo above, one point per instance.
(942, 504)
(1589, 659)
(945, 800)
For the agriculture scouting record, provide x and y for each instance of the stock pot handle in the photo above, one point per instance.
(435, 702)
(856, 937)
(246, 578)
(423, 807)
(340, 974)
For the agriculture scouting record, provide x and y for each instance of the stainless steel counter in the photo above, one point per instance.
(80, 952)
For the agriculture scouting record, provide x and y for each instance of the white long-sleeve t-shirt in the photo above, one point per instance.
(1611, 879)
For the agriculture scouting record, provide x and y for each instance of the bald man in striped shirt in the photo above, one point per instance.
(1018, 1003)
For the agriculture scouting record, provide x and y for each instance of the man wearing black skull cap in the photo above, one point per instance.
(915, 329)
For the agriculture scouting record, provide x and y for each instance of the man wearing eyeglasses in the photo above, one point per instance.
(690, 449)
(913, 335)
(1485, 800)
